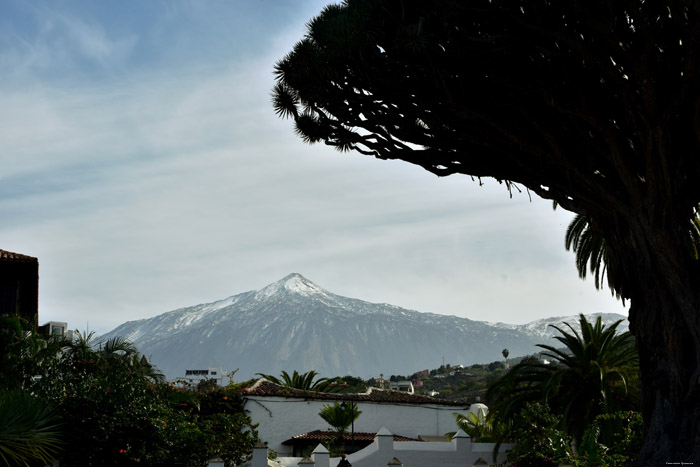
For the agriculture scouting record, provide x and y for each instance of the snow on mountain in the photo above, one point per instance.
(542, 329)
(294, 324)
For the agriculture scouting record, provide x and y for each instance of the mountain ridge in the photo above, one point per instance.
(295, 324)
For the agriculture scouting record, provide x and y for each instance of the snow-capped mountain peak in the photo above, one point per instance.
(294, 324)
(294, 283)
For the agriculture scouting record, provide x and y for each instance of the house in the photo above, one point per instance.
(19, 286)
(402, 386)
(283, 413)
(55, 328)
(194, 377)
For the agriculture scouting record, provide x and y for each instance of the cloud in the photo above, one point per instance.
(166, 186)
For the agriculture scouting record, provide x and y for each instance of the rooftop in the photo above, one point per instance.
(319, 436)
(265, 388)
(10, 256)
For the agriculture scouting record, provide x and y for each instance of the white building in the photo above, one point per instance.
(55, 328)
(402, 386)
(283, 412)
(194, 377)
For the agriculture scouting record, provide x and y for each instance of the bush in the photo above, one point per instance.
(611, 440)
(538, 441)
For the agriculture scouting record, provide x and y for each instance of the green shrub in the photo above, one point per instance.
(538, 440)
(611, 440)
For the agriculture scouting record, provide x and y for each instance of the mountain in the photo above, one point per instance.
(294, 324)
(542, 330)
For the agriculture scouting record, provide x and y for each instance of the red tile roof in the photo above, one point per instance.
(265, 388)
(10, 256)
(320, 436)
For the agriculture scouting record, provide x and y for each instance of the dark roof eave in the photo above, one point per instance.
(319, 436)
(10, 256)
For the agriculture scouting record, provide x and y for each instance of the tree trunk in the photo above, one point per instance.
(669, 376)
(662, 281)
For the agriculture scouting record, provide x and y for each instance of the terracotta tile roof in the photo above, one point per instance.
(265, 388)
(10, 256)
(318, 436)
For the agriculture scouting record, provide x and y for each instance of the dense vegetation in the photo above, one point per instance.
(577, 403)
(87, 403)
(582, 408)
(83, 402)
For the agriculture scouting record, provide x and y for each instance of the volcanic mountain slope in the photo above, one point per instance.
(294, 324)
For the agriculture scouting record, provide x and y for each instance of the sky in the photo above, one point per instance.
(142, 163)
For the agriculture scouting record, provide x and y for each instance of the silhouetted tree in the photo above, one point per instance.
(592, 104)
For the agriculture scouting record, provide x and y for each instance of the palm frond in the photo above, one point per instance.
(591, 363)
(29, 432)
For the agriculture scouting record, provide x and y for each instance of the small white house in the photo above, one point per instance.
(55, 328)
(402, 386)
(193, 377)
(282, 412)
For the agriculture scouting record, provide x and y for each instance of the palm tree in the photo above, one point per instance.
(587, 377)
(340, 417)
(20, 352)
(478, 425)
(121, 353)
(305, 381)
(91, 355)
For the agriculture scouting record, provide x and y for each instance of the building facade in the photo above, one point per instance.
(282, 413)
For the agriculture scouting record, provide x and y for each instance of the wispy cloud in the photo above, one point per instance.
(155, 187)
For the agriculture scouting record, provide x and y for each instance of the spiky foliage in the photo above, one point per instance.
(340, 417)
(90, 354)
(591, 251)
(480, 427)
(595, 255)
(29, 431)
(587, 376)
(305, 381)
(21, 352)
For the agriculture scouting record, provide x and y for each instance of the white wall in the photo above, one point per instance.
(281, 418)
(460, 452)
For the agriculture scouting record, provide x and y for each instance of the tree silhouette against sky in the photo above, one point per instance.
(594, 105)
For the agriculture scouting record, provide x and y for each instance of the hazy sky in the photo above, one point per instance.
(142, 163)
